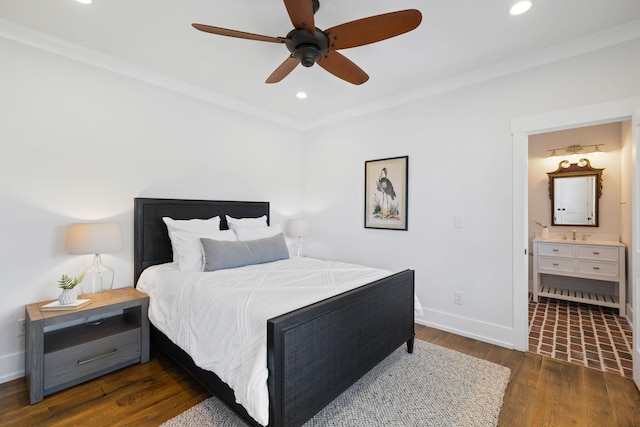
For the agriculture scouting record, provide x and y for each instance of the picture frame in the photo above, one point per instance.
(386, 192)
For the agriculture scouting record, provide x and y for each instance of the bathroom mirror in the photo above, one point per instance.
(575, 190)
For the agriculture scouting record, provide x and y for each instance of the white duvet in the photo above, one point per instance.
(219, 318)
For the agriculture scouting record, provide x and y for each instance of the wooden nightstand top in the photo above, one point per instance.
(102, 302)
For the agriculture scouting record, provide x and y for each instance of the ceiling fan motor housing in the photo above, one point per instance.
(305, 47)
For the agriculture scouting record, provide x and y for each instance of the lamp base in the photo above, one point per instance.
(299, 248)
(98, 277)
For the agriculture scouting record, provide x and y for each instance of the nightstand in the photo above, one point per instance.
(64, 349)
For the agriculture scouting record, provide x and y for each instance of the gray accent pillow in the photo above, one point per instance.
(219, 254)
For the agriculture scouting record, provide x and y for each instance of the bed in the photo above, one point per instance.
(310, 361)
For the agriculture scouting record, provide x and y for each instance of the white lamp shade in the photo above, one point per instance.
(298, 227)
(95, 238)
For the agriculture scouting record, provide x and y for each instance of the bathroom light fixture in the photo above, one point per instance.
(596, 152)
(575, 150)
(520, 7)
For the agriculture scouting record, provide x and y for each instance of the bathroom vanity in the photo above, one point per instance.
(599, 260)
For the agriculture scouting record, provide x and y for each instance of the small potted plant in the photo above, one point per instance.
(67, 284)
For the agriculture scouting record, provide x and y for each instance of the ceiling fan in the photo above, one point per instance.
(309, 45)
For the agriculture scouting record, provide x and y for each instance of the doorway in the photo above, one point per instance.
(521, 129)
(588, 333)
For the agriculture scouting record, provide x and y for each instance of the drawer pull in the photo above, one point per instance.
(555, 250)
(596, 253)
(97, 356)
(596, 268)
(555, 264)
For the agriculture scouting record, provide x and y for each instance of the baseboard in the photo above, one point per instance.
(11, 367)
(471, 328)
(629, 315)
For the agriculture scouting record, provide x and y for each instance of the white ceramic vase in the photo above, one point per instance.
(68, 296)
(545, 233)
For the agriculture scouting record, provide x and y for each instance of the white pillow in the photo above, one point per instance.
(187, 249)
(254, 233)
(190, 225)
(235, 223)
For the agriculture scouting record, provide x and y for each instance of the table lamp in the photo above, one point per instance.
(298, 228)
(95, 238)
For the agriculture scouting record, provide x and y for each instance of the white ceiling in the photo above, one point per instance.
(458, 42)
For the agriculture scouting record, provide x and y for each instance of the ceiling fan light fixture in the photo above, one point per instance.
(520, 7)
(307, 54)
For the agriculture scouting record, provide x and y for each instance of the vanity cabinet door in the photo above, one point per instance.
(600, 253)
(556, 264)
(555, 250)
(603, 269)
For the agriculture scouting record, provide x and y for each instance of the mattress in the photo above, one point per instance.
(219, 318)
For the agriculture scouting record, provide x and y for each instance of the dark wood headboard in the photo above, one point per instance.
(151, 240)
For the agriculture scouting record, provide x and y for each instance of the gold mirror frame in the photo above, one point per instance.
(572, 170)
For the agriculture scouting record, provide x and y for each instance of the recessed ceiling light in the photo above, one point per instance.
(84, 1)
(301, 95)
(520, 8)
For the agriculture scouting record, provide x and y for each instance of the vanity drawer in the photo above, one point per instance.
(600, 253)
(555, 249)
(594, 268)
(79, 363)
(556, 264)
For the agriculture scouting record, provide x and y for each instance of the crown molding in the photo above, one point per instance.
(579, 46)
(576, 47)
(39, 40)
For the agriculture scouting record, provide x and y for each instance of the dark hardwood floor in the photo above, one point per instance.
(542, 392)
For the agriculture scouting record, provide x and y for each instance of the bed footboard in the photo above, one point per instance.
(317, 352)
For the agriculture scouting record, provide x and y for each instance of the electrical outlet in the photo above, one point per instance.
(457, 221)
(19, 327)
(457, 297)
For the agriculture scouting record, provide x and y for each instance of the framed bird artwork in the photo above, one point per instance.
(386, 192)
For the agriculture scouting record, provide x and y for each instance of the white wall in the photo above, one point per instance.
(460, 160)
(626, 236)
(78, 143)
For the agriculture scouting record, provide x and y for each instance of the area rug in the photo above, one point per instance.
(434, 386)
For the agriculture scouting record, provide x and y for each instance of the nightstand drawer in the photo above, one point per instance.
(79, 363)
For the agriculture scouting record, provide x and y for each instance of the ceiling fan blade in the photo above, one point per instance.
(373, 29)
(301, 14)
(342, 67)
(283, 70)
(237, 34)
